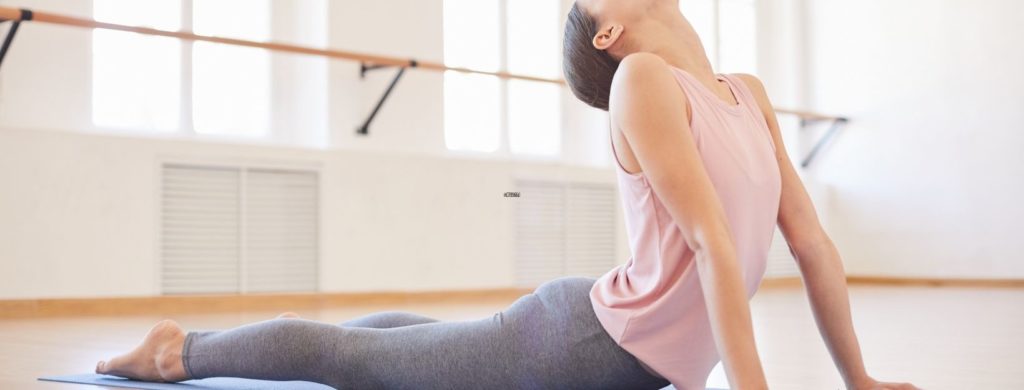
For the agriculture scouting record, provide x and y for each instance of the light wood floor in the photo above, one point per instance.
(938, 338)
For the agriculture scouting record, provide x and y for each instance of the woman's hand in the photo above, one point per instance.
(876, 385)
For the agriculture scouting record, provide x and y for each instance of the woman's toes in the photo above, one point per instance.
(130, 365)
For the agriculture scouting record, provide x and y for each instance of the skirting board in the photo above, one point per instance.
(166, 305)
(236, 303)
(858, 280)
(933, 282)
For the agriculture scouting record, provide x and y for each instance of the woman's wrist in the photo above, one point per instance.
(861, 381)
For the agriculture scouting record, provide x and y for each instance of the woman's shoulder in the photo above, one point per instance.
(642, 65)
(642, 60)
(644, 77)
(753, 83)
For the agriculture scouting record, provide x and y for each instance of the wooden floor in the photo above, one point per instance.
(938, 338)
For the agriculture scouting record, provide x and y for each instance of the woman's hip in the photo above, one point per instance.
(560, 333)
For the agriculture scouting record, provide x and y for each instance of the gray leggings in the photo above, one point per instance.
(549, 339)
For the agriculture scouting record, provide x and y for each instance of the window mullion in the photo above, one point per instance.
(716, 21)
(503, 99)
(187, 123)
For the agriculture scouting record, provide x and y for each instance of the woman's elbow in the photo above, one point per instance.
(710, 246)
(804, 237)
(809, 247)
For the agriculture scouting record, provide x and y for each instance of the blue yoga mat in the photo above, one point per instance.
(202, 384)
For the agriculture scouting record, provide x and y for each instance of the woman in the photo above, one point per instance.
(704, 178)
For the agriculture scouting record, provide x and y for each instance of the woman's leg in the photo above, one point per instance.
(159, 357)
(549, 339)
(435, 355)
(471, 354)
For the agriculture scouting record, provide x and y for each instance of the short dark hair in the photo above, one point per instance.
(588, 71)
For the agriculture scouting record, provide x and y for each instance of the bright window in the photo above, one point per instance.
(534, 109)
(136, 78)
(472, 112)
(533, 42)
(702, 14)
(737, 41)
(472, 105)
(471, 34)
(534, 114)
(231, 84)
(728, 29)
(487, 114)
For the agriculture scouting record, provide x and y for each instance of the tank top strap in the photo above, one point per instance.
(747, 99)
(689, 84)
(684, 78)
(742, 91)
(708, 100)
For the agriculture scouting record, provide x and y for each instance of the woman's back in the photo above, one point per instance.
(653, 305)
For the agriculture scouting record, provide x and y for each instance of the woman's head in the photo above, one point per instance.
(595, 41)
(588, 71)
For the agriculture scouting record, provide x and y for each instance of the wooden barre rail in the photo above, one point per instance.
(374, 61)
(809, 116)
(15, 14)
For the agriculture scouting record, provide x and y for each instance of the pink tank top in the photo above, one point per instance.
(653, 305)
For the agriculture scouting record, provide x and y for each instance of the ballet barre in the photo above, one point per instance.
(368, 63)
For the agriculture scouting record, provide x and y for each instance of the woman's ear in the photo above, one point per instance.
(608, 36)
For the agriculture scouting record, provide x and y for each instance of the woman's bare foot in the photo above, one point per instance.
(158, 359)
(288, 314)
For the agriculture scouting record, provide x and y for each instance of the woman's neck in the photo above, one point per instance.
(675, 41)
(688, 57)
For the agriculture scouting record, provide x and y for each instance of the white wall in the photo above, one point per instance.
(928, 179)
(924, 183)
(50, 67)
(80, 214)
(412, 118)
(300, 102)
(79, 207)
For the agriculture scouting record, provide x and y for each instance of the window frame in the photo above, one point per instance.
(504, 149)
(186, 118)
(713, 43)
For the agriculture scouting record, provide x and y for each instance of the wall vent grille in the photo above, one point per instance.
(564, 229)
(238, 230)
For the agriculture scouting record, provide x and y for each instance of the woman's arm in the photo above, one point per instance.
(819, 261)
(646, 104)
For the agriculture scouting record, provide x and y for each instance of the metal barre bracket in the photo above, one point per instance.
(25, 15)
(837, 125)
(365, 68)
